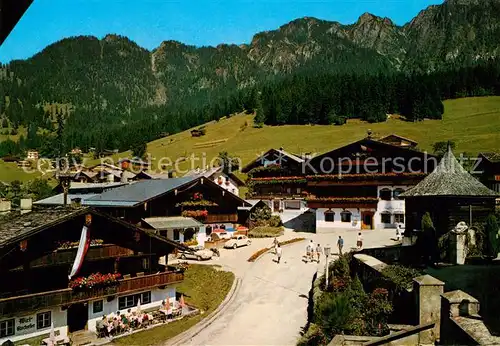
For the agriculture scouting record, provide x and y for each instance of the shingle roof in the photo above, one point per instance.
(136, 193)
(449, 179)
(16, 225)
(163, 223)
(492, 157)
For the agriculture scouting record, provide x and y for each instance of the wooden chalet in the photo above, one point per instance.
(358, 185)
(38, 251)
(230, 182)
(277, 178)
(488, 170)
(191, 197)
(451, 195)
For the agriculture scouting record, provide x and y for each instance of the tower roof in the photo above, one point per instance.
(450, 179)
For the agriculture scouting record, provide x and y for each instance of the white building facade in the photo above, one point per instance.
(38, 323)
(388, 211)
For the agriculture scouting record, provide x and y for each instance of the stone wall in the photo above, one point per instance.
(369, 270)
(461, 323)
(450, 318)
(396, 254)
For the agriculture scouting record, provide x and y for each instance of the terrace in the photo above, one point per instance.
(66, 296)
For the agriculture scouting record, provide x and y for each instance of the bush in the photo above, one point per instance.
(334, 314)
(313, 337)
(265, 232)
(401, 276)
(491, 235)
(274, 221)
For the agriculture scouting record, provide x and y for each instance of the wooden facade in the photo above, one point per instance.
(450, 195)
(35, 258)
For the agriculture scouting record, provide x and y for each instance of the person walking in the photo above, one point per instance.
(318, 251)
(310, 251)
(359, 243)
(279, 252)
(275, 244)
(340, 245)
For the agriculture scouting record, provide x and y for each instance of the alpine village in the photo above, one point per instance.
(324, 184)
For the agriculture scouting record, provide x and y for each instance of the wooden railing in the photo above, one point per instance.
(212, 218)
(29, 302)
(94, 253)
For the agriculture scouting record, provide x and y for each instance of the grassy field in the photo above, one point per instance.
(204, 287)
(472, 123)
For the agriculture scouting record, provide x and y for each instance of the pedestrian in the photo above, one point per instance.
(340, 245)
(279, 252)
(359, 243)
(275, 244)
(310, 251)
(318, 251)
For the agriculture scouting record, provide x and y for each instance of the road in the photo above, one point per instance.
(270, 307)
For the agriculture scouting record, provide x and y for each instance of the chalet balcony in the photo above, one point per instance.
(214, 218)
(67, 256)
(30, 302)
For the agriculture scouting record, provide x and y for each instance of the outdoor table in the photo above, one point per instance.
(59, 340)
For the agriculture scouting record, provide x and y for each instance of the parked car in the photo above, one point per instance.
(237, 241)
(199, 253)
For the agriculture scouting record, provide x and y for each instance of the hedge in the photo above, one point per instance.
(265, 232)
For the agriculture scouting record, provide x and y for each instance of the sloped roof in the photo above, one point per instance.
(492, 157)
(59, 199)
(449, 179)
(282, 153)
(139, 192)
(385, 138)
(163, 223)
(16, 225)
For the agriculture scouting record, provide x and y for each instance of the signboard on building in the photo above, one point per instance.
(25, 325)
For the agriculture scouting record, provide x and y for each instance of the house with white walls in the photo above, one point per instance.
(48, 257)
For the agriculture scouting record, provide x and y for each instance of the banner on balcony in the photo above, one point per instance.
(83, 246)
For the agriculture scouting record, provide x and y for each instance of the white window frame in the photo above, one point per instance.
(45, 318)
(396, 215)
(382, 215)
(145, 297)
(94, 304)
(7, 328)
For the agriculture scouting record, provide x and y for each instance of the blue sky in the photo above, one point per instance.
(149, 22)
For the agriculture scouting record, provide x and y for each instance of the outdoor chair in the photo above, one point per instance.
(102, 332)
